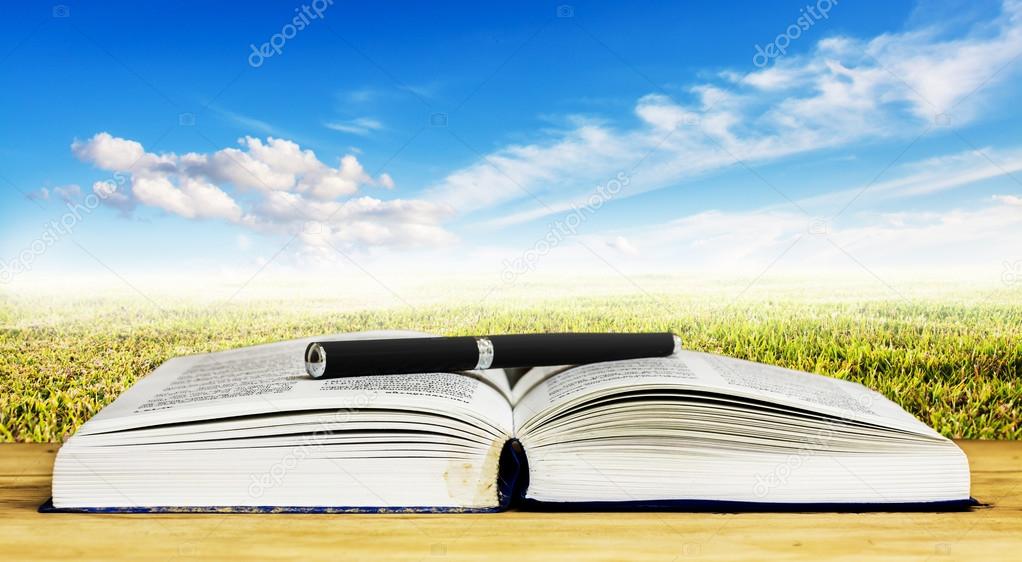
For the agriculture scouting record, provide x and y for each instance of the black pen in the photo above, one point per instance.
(354, 358)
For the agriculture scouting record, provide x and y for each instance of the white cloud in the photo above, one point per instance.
(279, 165)
(108, 152)
(268, 186)
(845, 90)
(385, 181)
(331, 183)
(240, 169)
(190, 198)
(658, 110)
(941, 80)
(773, 78)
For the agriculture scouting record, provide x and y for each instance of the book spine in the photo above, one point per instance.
(512, 474)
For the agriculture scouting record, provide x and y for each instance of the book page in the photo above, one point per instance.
(531, 378)
(714, 373)
(271, 378)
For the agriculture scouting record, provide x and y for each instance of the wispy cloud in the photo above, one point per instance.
(925, 177)
(66, 193)
(986, 233)
(360, 95)
(982, 229)
(845, 90)
(425, 90)
(1013, 200)
(360, 126)
(41, 194)
(247, 123)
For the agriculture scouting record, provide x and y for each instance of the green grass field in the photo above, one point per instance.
(952, 357)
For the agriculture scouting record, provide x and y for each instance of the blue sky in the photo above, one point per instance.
(510, 140)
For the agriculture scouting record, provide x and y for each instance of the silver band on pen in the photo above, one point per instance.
(315, 360)
(485, 353)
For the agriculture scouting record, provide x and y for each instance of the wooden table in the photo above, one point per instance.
(986, 533)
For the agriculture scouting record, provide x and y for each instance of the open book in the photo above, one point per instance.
(248, 430)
